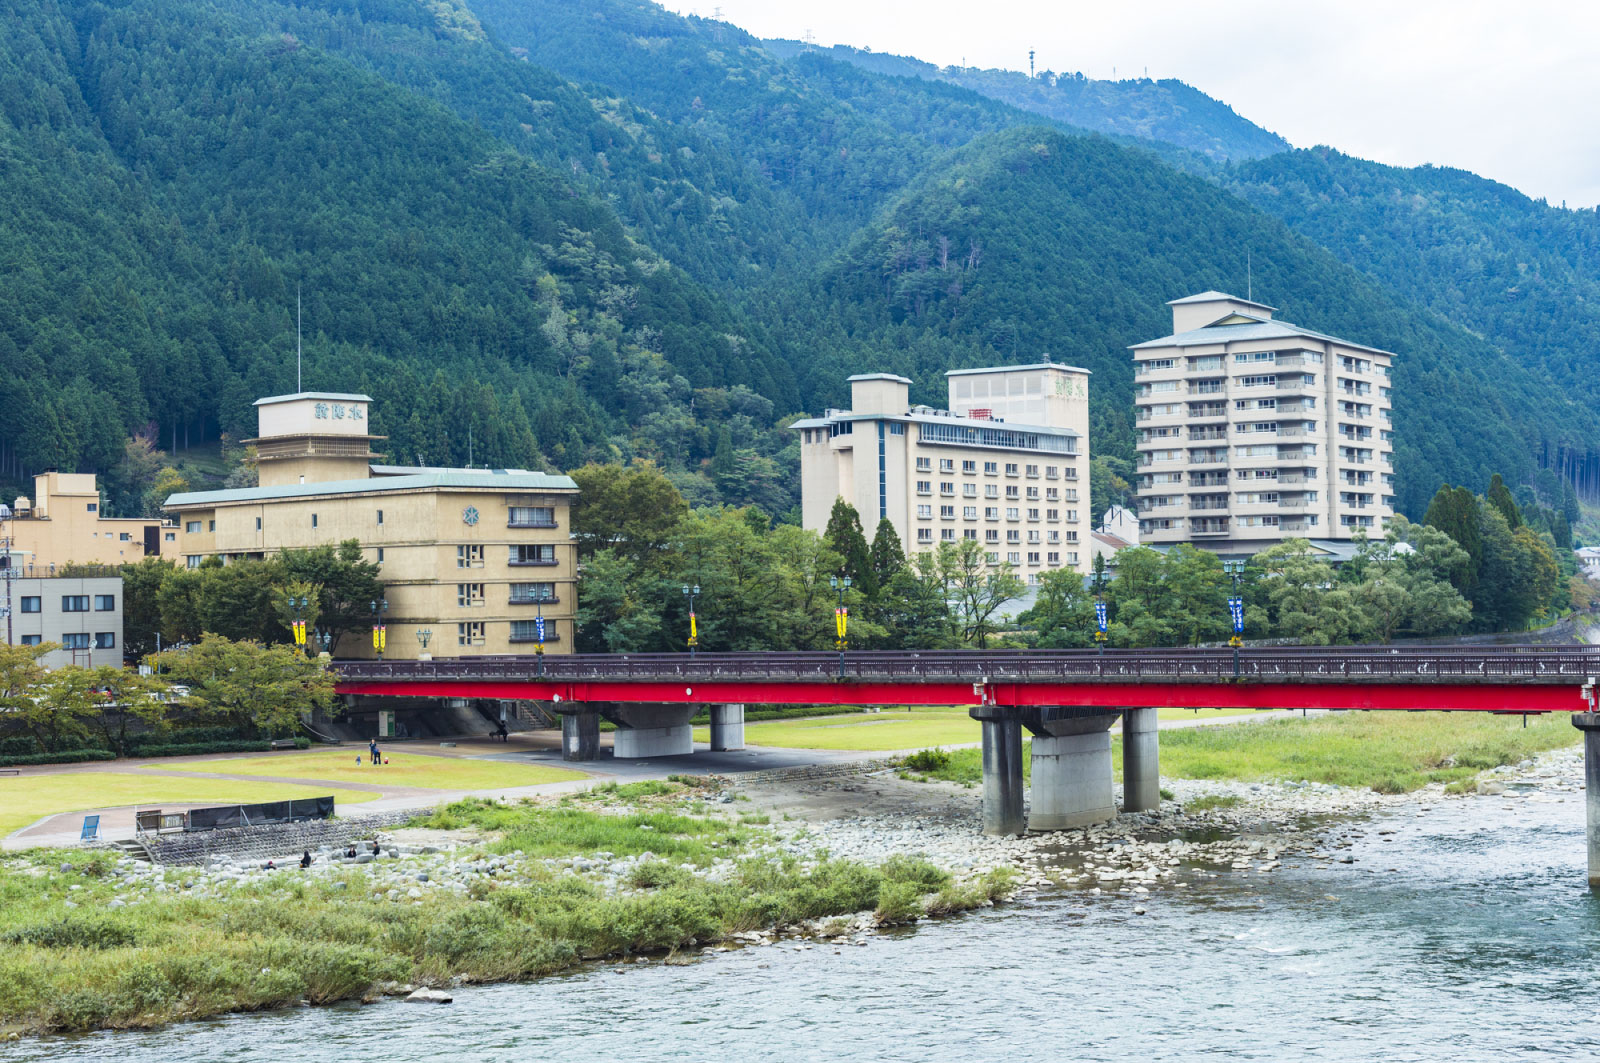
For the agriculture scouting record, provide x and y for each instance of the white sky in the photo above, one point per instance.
(1508, 90)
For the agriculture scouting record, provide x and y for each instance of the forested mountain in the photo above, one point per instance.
(1164, 110)
(598, 231)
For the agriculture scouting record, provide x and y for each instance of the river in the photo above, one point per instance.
(1481, 943)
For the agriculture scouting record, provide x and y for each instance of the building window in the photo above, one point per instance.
(1053, 557)
(947, 534)
(896, 428)
(1033, 471)
(191, 560)
(970, 467)
(32, 640)
(969, 533)
(172, 537)
(946, 487)
(992, 535)
(1013, 492)
(1033, 513)
(991, 468)
(1033, 494)
(192, 527)
(991, 512)
(211, 525)
(947, 512)
(94, 507)
(991, 490)
(924, 464)
(105, 603)
(1033, 557)
(924, 535)
(1051, 472)
(470, 634)
(1052, 514)
(1033, 536)
(969, 512)
(924, 487)
(1011, 468)
(1012, 513)
(532, 517)
(469, 595)
(75, 640)
(528, 593)
(472, 556)
(258, 524)
(992, 556)
(925, 512)
(380, 516)
(105, 640)
(74, 603)
(313, 520)
(1014, 557)
(533, 554)
(1013, 536)
(528, 631)
(969, 490)
(125, 537)
(947, 465)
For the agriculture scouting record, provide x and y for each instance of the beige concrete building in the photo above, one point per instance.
(62, 523)
(470, 558)
(1253, 430)
(1007, 464)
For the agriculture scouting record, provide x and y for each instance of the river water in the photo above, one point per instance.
(1481, 943)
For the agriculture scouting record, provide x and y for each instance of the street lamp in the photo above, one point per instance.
(1100, 608)
(380, 630)
(423, 635)
(538, 631)
(841, 618)
(298, 624)
(692, 593)
(324, 637)
(1235, 610)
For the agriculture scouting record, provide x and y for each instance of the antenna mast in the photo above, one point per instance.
(1030, 62)
(297, 387)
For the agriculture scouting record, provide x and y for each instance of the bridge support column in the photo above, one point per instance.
(727, 728)
(580, 736)
(1002, 777)
(651, 731)
(1072, 785)
(1141, 761)
(1589, 724)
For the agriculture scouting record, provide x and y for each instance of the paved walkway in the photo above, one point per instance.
(528, 747)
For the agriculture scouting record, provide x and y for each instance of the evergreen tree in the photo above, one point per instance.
(1454, 511)
(888, 557)
(845, 538)
(1499, 497)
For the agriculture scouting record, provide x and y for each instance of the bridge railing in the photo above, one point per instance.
(1277, 664)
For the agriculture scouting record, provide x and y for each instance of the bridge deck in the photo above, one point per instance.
(1498, 679)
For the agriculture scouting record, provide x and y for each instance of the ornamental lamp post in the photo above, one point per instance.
(424, 635)
(1235, 610)
(692, 593)
(297, 626)
(538, 632)
(841, 619)
(1100, 608)
(380, 630)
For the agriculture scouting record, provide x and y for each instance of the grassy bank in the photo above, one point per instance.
(428, 771)
(1391, 752)
(186, 944)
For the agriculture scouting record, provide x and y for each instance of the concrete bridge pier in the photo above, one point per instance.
(1002, 775)
(1589, 724)
(1141, 761)
(580, 736)
(1072, 783)
(727, 728)
(652, 731)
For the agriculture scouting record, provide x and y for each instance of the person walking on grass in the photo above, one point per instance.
(373, 747)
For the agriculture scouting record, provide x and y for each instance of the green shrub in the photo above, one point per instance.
(72, 756)
(1210, 801)
(77, 931)
(902, 868)
(928, 760)
(899, 902)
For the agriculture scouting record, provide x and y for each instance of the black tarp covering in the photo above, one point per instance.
(266, 812)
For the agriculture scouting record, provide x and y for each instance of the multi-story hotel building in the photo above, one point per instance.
(1007, 464)
(469, 558)
(63, 524)
(1252, 430)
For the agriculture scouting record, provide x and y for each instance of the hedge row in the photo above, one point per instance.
(70, 756)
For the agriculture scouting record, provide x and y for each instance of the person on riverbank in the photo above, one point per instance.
(377, 850)
(372, 746)
(305, 860)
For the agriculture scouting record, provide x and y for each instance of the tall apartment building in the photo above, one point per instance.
(470, 558)
(1007, 464)
(1252, 430)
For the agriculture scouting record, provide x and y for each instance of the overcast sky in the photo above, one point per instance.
(1508, 90)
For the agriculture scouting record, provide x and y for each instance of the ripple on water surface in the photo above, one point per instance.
(1480, 944)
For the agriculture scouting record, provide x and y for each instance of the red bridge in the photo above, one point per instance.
(1067, 699)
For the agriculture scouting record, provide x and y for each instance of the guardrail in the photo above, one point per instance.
(1535, 664)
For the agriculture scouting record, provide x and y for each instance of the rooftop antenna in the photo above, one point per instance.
(297, 338)
(1030, 62)
(469, 446)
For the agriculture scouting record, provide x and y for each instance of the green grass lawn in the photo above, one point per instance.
(26, 798)
(912, 728)
(404, 769)
(1392, 752)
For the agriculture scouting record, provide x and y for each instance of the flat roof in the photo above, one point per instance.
(876, 376)
(477, 479)
(926, 418)
(331, 396)
(1019, 369)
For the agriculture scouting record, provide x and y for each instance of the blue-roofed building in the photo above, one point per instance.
(1252, 430)
(474, 561)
